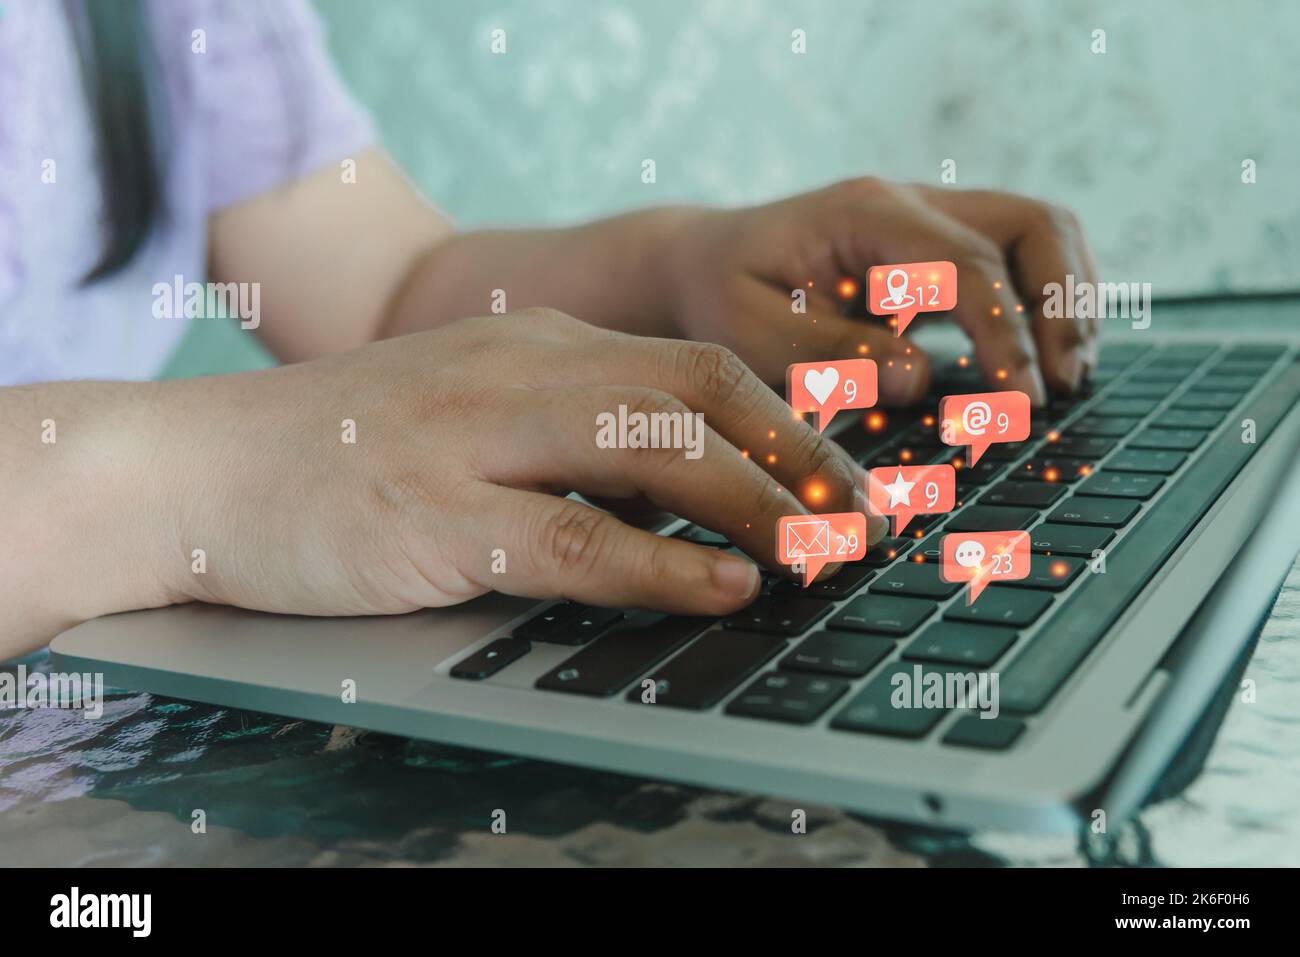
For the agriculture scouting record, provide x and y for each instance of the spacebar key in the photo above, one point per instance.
(610, 663)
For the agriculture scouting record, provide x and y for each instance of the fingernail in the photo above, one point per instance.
(1072, 368)
(1029, 380)
(860, 495)
(735, 576)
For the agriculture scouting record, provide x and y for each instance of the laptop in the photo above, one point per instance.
(1162, 504)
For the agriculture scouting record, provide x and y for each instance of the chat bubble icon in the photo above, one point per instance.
(985, 558)
(808, 543)
(827, 387)
(905, 491)
(980, 419)
(902, 290)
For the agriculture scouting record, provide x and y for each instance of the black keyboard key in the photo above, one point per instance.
(954, 643)
(1004, 451)
(586, 625)
(1010, 607)
(787, 696)
(1051, 573)
(622, 656)
(1085, 510)
(882, 614)
(843, 583)
(1156, 461)
(982, 472)
(1103, 427)
(1121, 484)
(1221, 401)
(543, 626)
(1090, 447)
(873, 710)
(914, 579)
(991, 518)
(1187, 419)
(1085, 614)
(1124, 408)
(779, 614)
(1177, 440)
(838, 653)
(569, 623)
(1082, 540)
(885, 551)
(1053, 470)
(490, 659)
(1029, 494)
(991, 734)
(1139, 389)
(1226, 383)
(702, 536)
(704, 673)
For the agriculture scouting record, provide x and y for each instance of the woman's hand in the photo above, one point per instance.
(734, 273)
(464, 438)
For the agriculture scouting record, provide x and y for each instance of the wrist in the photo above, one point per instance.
(113, 503)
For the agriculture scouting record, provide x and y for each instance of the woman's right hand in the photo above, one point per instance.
(465, 439)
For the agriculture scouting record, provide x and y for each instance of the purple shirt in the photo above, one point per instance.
(251, 102)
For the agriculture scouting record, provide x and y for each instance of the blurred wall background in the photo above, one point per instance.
(1145, 141)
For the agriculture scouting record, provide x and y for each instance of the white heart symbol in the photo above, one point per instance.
(820, 385)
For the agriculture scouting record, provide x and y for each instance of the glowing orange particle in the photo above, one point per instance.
(927, 420)
(997, 285)
(963, 361)
(905, 455)
(875, 421)
(847, 288)
(1053, 436)
(1002, 373)
(997, 310)
(771, 460)
(771, 433)
(1051, 475)
(1060, 569)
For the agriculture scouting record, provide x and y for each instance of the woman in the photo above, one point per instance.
(409, 454)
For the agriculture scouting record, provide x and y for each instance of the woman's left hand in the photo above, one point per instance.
(734, 272)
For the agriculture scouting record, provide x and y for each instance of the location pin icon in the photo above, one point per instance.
(897, 289)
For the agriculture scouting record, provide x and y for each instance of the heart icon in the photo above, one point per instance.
(821, 384)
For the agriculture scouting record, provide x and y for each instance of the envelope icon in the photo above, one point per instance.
(810, 539)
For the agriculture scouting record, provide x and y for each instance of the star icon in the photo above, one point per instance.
(900, 492)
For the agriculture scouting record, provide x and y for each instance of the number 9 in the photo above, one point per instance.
(1004, 422)
(851, 390)
(931, 494)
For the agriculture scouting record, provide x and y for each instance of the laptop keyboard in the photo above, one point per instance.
(1126, 469)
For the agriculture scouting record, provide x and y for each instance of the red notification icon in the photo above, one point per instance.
(905, 491)
(980, 419)
(985, 558)
(904, 289)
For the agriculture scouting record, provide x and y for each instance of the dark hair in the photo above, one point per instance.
(112, 43)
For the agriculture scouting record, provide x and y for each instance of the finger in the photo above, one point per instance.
(556, 547)
(987, 308)
(822, 334)
(694, 473)
(738, 406)
(1044, 244)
